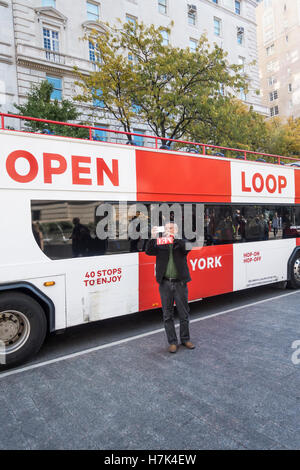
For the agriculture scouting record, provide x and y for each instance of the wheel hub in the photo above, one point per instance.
(14, 329)
(297, 269)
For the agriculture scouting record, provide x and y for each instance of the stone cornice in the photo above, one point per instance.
(51, 13)
(49, 67)
(98, 26)
(6, 59)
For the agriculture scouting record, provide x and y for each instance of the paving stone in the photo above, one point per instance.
(237, 390)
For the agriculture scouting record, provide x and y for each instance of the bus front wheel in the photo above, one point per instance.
(294, 281)
(23, 328)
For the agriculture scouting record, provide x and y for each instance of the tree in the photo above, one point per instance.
(275, 142)
(40, 105)
(230, 123)
(112, 85)
(166, 87)
(291, 137)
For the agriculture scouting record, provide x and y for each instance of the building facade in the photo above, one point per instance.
(279, 56)
(47, 38)
(8, 71)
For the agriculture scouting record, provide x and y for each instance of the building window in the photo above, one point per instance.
(57, 87)
(290, 87)
(136, 108)
(131, 19)
(192, 15)
(240, 35)
(51, 39)
(217, 27)
(92, 11)
(286, 38)
(193, 45)
(132, 58)
(274, 111)
(162, 6)
(49, 3)
(273, 95)
(243, 94)
(272, 81)
(97, 102)
(270, 50)
(165, 36)
(221, 90)
(242, 62)
(100, 134)
(237, 7)
(138, 139)
(94, 53)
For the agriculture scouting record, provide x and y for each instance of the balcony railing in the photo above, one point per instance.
(54, 57)
(27, 52)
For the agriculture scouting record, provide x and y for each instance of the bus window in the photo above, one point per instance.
(225, 224)
(70, 229)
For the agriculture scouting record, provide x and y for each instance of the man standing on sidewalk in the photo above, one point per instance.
(172, 274)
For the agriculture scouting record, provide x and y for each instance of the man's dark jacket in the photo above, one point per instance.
(162, 257)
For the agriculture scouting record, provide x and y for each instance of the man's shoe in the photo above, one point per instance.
(189, 345)
(173, 348)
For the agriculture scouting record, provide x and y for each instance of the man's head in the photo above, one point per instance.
(76, 221)
(171, 229)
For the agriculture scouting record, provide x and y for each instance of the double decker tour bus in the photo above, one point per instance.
(56, 273)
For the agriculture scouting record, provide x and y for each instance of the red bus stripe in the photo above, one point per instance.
(182, 178)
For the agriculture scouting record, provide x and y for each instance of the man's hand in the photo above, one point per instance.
(154, 232)
(169, 233)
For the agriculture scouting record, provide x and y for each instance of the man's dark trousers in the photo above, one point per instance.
(177, 291)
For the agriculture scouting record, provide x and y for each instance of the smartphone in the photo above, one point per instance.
(161, 229)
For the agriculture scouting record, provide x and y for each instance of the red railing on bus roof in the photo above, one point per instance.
(243, 154)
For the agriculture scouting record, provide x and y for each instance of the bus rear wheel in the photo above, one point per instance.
(23, 328)
(294, 281)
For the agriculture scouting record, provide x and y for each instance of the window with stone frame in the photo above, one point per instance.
(92, 10)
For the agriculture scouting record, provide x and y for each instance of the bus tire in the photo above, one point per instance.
(23, 327)
(294, 274)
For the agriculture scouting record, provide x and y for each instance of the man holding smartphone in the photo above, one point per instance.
(172, 274)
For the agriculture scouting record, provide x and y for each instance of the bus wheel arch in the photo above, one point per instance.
(294, 270)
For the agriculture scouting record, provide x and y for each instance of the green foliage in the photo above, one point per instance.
(40, 105)
(275, 137)
(171, 88)
(291, 137)
(282, 137)
(230, 123)
(115, 79)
